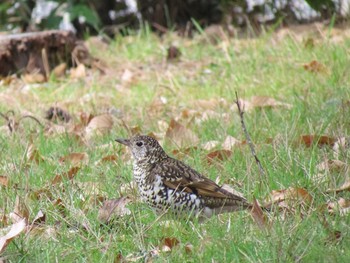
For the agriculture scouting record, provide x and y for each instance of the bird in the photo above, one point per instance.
(167, 184)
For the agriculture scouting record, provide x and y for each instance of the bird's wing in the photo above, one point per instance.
(178, 175)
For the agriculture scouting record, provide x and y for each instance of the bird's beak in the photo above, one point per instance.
(123, 141)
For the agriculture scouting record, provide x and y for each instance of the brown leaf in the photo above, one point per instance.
(219, 155)
(319, 140)
(210, 104)
(332, 165)
(127, 76)
(109, 158)
(208, 146)
(75, 158)
(85, 118)
(263, 101)
(68, 175)
(258, 215)
(289, 197)
(180, 135)
(315, 67)
(59, 70)
(342, 206)
(78, 72)
(171, 241)
(15, 230)
(99, 125)
(189, 248)
(230, 142)
(113, 208)
(168, 243)
(4, 180)
(33, 78)
(344, 187)
(39, 218)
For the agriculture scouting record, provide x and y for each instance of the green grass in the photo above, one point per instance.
(263, 67)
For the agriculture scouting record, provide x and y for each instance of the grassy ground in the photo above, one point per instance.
(141, 88)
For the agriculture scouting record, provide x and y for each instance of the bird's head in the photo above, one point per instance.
(144, 148)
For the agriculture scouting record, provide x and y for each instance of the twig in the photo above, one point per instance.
(261, 169)
(160, 28)
(33, 118)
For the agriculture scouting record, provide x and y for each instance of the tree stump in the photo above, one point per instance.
(38, 52)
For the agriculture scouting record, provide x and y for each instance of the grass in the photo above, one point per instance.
(264, 66)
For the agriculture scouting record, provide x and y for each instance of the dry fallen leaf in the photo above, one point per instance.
(4, 180)
(15, 230)
(332, 166)
(344, 187)
(219, 155)
(180, 135)
(260, 102)
(109, 158)
(113, 208)
(33, 78)
(288, 198)
(68, 175)
(78, 72)
(211, 104)
(85, 118)
(342, 206)
(99, 125)
(319, 140)
(208, 146)
(59, 70)
(263, 101)
(258, 215)
(127, 76)
(188, 248)
(230, 142)
(75, 158)
(315, 67)
(39, 218)
(168, 243)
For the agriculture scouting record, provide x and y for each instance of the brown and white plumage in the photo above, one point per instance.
(167, 183)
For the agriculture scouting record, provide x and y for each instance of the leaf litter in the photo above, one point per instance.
(179, 133)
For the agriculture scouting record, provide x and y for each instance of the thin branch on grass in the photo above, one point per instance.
(11, 122)
(249, 140)
(31, 117)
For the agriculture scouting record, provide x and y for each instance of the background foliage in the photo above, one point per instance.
(93, 15)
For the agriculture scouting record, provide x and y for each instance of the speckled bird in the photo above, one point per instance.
(169, 184)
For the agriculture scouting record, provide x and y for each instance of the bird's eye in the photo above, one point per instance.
(139, 144)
